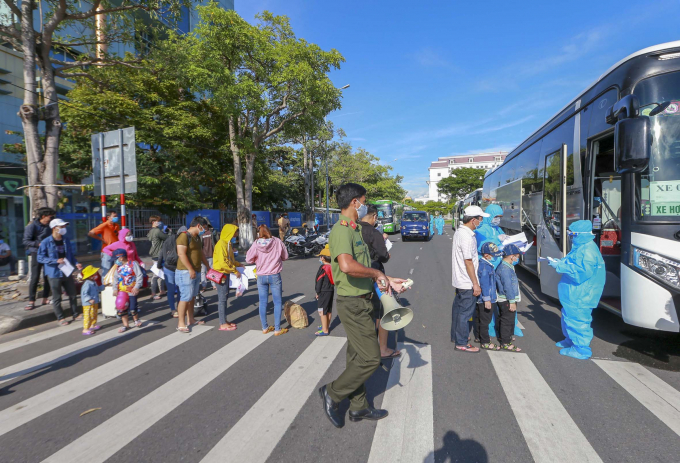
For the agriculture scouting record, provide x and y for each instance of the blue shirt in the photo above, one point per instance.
(89, 293)
(487, 281)
(48, 255)
(507, 285)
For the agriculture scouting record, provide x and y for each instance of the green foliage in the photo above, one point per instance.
(433, 207)
(461, 182)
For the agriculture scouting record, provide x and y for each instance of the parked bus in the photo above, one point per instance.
(389, 215)
(612, 155)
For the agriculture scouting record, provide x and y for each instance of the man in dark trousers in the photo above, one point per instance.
(34, 233)
(354, 277)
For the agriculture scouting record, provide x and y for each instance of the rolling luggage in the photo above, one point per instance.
(108, 302)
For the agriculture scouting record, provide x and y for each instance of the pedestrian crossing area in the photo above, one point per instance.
(409, 434)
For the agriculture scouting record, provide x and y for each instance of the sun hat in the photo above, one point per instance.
(325, 251)
(89, 271)
(475, 211)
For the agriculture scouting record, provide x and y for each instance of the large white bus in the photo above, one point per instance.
(612, 155)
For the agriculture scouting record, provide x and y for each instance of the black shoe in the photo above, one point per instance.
(369, 413)
(331, 409)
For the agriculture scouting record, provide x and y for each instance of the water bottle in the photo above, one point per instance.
(22, 268)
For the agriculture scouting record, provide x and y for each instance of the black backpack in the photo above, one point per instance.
(170, 256)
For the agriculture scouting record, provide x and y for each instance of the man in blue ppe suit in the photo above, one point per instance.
(440, 225)
(583, 277)
(491, 231)
(431, 225)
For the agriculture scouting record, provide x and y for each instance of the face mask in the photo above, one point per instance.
(234, 240)
(515, 262)
(159, 224)
(321, 261)
(114, 220)
(62, 231)
(362, 211)
(496, 221)
(128, 238)
(119, 262)
(201, 232)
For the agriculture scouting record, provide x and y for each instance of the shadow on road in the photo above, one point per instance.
(456, 449)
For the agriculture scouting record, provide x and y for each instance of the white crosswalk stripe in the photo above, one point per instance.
(407, 435)
(34, 407)
(37, 337)
(277, 408)
(657, 396)
(549, 430)
(45, 360)
(106, 439)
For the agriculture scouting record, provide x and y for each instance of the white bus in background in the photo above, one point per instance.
(612, 155)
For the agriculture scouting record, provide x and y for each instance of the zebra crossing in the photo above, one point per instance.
(407, 435)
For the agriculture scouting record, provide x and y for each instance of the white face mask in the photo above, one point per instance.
(362, 211)
(128, 238)
(62, 231)
(496, 221)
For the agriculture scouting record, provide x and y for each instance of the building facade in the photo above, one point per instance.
(445, 166)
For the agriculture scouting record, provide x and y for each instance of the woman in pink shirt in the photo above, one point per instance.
(268, 254)
(124, 242)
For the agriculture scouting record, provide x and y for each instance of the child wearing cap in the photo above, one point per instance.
(128, 277)
(89, 297)
(486, 275)
(507, 288)
(324, 291)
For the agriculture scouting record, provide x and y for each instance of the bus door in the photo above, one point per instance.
(604, 210)
(551, 233)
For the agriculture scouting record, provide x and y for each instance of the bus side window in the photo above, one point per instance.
(552, 203)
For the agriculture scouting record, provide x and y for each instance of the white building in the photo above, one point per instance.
(442, 168)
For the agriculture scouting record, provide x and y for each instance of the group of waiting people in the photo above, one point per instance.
(484, 277)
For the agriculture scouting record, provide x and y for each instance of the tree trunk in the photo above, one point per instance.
(29, 112)
(244, 222)
(242, 212)
(52, 131)
(308, 201)
(311, 179)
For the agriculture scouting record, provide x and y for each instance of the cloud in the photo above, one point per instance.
(498, 127)
(335, 116)
(493, 149)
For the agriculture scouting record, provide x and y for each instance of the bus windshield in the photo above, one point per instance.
(415, 217)
(384, 211)
(658, 188)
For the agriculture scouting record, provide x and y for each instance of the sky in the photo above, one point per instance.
(435, 78)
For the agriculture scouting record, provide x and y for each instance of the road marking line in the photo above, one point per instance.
(105, 440)
(547, 427)
(651, 391)
(277, 408)
(42, 361)
(408, 433)
(519, 325)
(47, 334)
(410, 272)
(30, 409)
(299, 298)
(417, 257)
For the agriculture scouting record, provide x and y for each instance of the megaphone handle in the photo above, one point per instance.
(377, 290)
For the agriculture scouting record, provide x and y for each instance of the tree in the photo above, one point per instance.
(41, 41)
(461, 182)
(261, 79)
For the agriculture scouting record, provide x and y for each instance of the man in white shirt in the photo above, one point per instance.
(464, 277)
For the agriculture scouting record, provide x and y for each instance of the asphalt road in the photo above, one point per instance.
(162, 396)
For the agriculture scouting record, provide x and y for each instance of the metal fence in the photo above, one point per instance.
(140, 225)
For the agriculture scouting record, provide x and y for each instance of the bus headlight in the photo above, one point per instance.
(657, 266)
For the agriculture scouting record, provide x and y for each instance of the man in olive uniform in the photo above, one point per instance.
(354, 277)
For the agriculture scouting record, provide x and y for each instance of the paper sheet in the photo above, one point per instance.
(526, 247)
(388, 243)
(518, 238)
(250, 271)
(66, 268)
(158, 272)
(241, 284)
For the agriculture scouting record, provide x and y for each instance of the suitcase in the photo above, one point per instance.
(108, 302)
(200, 305)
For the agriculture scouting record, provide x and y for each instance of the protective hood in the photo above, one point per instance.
(228, 232)
(122, 234)
(493, 210)
(584, 228)
(266, 245)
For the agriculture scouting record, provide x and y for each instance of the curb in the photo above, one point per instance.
(9, 324)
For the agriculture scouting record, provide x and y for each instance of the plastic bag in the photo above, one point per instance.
(108, 278)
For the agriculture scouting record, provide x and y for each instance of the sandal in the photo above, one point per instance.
(182, 329)
(156, 298)
(96, 328)
(175, 314)
(318, 333)
(395, 354)
(63, 322)
(467, 348)
(123, 329)
(199, 322)
(490, 346)
(30, 306)
(268, 330)
(88, 333)
(138, 323)
(511, 348)
(231, 327)
(282, 331)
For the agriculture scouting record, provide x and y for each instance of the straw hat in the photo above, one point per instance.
(89, 271)
(325, 251)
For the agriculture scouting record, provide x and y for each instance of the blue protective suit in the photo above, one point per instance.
(440, 225)
(580, 289)
(490, 232)
(431, 225)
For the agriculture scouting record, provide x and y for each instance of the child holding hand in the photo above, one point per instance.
(89, 297)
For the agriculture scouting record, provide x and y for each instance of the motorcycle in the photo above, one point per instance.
(300, 245)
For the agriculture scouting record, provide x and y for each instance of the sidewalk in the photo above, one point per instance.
(15, 297)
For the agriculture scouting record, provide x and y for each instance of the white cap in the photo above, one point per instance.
(475, 211)
(57, 223)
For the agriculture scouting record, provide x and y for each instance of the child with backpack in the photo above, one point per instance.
(324, 291)
(89, 297)
(127, 278)
(507, 288)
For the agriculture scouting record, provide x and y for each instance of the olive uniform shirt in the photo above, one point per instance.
(194, 251)
(346, 238)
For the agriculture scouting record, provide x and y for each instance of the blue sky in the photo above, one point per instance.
(437, 78)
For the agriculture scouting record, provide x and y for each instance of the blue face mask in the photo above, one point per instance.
(119, 262)
(515, 262)
(114, 220)
(234, 240)
(2, 241)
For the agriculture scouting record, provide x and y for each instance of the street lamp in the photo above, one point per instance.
(325, 150)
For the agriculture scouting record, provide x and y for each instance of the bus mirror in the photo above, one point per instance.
(632, 144)
(627, 107)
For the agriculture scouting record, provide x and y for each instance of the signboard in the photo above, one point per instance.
(109, 143)
(213, 216)
(9, 185)
(295, 219)
(664, 197)
(319, 216)
(263, 218)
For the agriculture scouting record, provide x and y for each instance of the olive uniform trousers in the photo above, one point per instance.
(363, 351)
